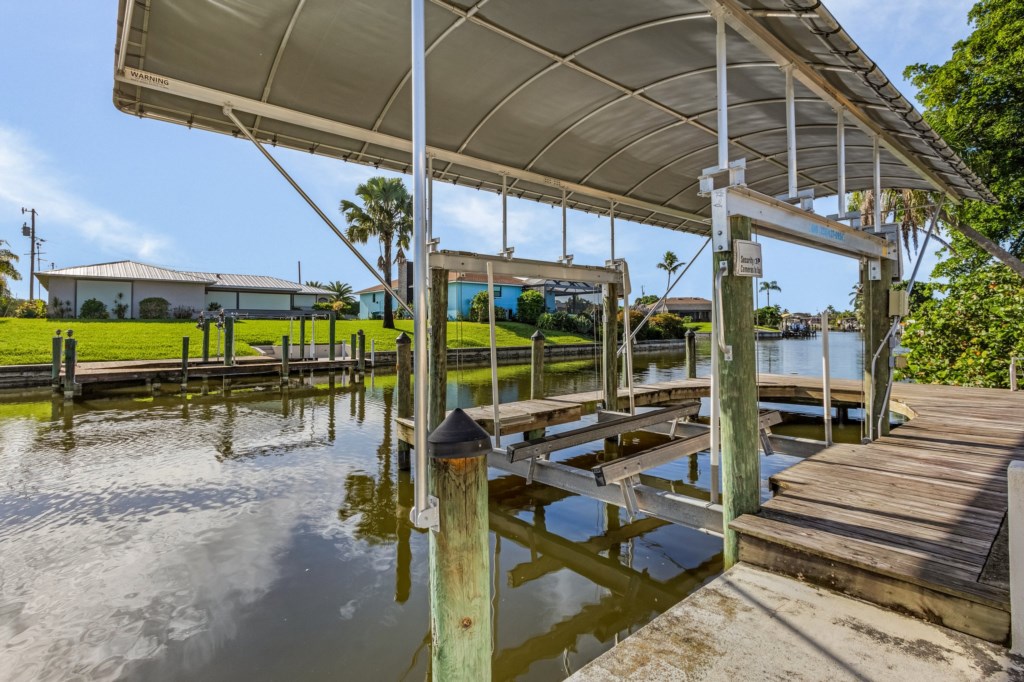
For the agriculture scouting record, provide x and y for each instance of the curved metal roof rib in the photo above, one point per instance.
(612, 102)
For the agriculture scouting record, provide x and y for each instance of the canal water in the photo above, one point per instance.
(258, 537)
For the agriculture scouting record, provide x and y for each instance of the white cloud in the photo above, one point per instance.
(29, 178)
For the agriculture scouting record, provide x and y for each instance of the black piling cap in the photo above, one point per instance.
(458, 437)
(403, 339)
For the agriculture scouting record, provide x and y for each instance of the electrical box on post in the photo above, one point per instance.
(899, 303)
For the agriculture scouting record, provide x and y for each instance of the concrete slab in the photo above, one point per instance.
(753, 625)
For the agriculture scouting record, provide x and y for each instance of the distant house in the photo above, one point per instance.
(462, 287)
(129, 282)
(800, 321)
(696, 308)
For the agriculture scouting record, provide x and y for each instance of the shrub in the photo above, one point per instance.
(213, 306)
(59, 308)
(562, 321)
(668, 326)
(94, 309)
(120, 308)
(154, 308)
(34, 308)
(184, 312)
(531, 306)
(478, 309)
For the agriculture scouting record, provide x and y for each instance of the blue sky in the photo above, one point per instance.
(110, 187)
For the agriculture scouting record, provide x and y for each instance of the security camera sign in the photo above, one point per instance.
(746, 258)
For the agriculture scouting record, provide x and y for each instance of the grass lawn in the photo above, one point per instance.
(24, 341)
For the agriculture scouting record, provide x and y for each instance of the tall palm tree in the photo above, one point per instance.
(386, 214)
(768, 288)
(912, 209)
(7, 269)
(669, 263)
(342, 292)
(315, 283)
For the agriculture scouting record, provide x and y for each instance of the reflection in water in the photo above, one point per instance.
(265, 535)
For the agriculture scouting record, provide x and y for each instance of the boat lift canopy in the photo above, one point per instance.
(614, 102)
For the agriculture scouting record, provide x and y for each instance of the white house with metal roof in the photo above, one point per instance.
(129, 282)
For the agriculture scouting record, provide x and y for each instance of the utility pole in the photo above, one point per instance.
(30, 232)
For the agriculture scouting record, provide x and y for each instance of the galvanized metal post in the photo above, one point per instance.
(826, 379)
(876, 157)
(536, 376)
(791, 166)
(741, 479)
(721, 78)
(403, 362)
(57, 349)
(492, 327)
(361, 337)
(206, 339)
(332, 324)
(691, 355)
(184, 363)
(229, 340)
(841, 160)
(1015, 531)
(286, 351)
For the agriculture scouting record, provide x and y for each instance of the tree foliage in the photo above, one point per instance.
(530, 306)
(968, 336)
(385, 215)
(7, 270)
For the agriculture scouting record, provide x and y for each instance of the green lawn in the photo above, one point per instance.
(28, 341)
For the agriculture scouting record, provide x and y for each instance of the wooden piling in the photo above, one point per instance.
(57, 348)
(229, 341)
(609, 347)
(361, 337)
(184, 363)
(536, 377)
(691, 354)
(286, 351)
(302, 338)
(70, 359)
(206, 339)
(437, 327)
(741, 477)
(332, 320)
(403, 348)
(875, 297)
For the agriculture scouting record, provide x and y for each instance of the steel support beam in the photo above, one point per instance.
(462, 261)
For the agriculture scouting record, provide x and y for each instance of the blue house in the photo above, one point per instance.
(462, 287)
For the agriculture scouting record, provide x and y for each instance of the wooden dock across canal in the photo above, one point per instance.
(909, 522)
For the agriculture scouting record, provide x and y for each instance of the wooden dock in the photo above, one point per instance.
(910, 521)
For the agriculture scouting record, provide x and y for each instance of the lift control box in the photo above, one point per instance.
(899, 303)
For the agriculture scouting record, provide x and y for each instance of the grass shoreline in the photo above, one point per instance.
(28, 341)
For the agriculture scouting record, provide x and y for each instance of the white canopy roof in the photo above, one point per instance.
(608, 100)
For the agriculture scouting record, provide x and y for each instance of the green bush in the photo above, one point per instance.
(184, 312)
(478, 309)
(120, 308)
(60, 309)
(31, 309)
(213, 306)
(668, 326)
(154, 308)
(94, 309)
(562, 321)
(530, 306)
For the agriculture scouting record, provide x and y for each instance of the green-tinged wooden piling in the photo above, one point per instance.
(403, 362)
(302, 338)
(741, 476)
(184, 363)
(691, 354)
(361, 338)
(57, 349)
(536, 377)
(353, 347)
(206, 339)
(229, 341)
(332, 328)
(460, 594)
(875, 297)
(286, 351)
(609, 347)
(437, 328)
(70, 360)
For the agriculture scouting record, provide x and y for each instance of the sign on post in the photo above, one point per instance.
(747, 258)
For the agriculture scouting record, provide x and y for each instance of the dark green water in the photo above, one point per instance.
(259, 537)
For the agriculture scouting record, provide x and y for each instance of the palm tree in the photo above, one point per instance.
(857, 301)
(315, 283)
(341, 292)
(910, 208)
(670, 263)
(386, 214)
(7, 269)
(768, 288)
